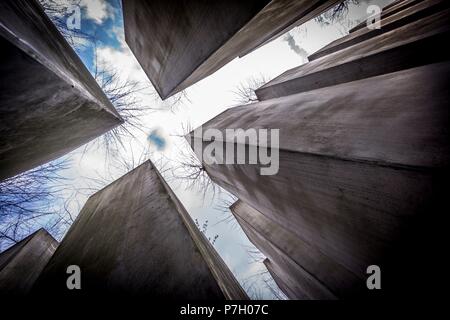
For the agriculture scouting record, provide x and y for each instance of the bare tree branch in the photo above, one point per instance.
(337, 13)
(245, 91)
(26, 200)
(57, 11)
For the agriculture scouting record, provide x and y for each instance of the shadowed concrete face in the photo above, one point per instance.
(21, 264)
(388, 11)
(388, 23)
(362, 168)
(297, 260)
(363, 162)
(178, 43)
(304, 284)
(49, 102)
(414, 44)
(274, 272)
(135, 237)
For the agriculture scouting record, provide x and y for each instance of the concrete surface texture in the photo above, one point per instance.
(363, 161)
(299, 280)
(272, 269)
(281, 245)
(134, 237)
(388, 23)
(178, 43)
(300, 17)
(49, 102)
(408, 46)
(362, 166)
(21, 264)
(389, 10)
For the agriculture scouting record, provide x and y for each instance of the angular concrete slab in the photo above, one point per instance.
(49, 102)
(273, 271)
(412, 45)
(362, 167)
(389, 10)
(401, 18)
(134, 237)
(317, 9)
(178, 43)
(21, 264)
(288, 246)
(302, 283)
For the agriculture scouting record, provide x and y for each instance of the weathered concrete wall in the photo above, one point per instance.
(49, 102)
(389, 10)
(280, 244)
(21, 264)
(134, 237)
(407, 15)
(362, 169)
(297, 278)
(415, 44)
(297, 18)
(178, 43)
(280, 283)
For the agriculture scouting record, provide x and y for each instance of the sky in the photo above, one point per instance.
(202, 101)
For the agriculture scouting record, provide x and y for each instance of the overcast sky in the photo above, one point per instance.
(207, 98)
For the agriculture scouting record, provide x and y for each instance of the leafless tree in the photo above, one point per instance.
(176, 101)
(245, 91)
(123, 94)
(262, 277)
(337, 17)
(26, 201)
(187, 169)
(203, 229)
(337, 13)
(223, 205)
(58, 12)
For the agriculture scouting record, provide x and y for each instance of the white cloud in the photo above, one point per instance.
(97, 10)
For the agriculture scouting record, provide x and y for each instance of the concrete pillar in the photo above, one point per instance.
(178, 43)
(135, 237)
(303, 17)
(409, 46)
(49, 102)
(407, 15)
(389, 10)
(21, 264)
(301, 282)
(292, 295)
(362, 169)
(280, 244)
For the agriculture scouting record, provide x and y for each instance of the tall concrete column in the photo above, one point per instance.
(363, 161)
(297, 261)
(286, 289)
(408, 46)
(362, 169)
(299, 280)
(389, 10)
(415, 10)
(178, 43)
(49, 102)
(21, 264)
(135, 237)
